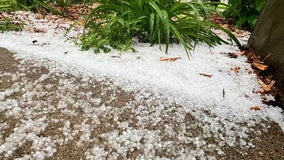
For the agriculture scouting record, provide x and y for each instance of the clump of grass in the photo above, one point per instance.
(28, 5)
(9, 25)
(113, 24)
(65, 3)
(5, 5)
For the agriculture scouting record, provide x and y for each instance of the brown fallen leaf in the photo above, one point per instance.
(81, 22)
(39, 30)
(233, 55)
(236, 69)
(246, 96)
(259, 66)
(79, 36)
(251, 56)
(255, 108)
(169, 59)
(263, 98)
(242, 53)
(174, 19)
(206, 75)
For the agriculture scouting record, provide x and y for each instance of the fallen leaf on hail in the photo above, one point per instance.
(255, 108)
(81, 22)
(236, 69)
(79, 36)
(39, 30)
(169, 59)
(242, 53)
(233, 55)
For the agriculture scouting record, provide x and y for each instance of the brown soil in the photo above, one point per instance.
(267, 137)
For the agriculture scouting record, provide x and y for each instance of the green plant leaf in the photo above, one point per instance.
(230, 34)
(242, 10)
(114, 23)
(48, 7)
(252, 20)
(259, 4)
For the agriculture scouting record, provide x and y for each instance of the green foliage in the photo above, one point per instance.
(7, 5)
(9, 25)
(245, 12)
(114, 23)
(30, 5)
(65, 3)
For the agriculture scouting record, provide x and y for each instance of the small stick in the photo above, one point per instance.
(265, 58)
(206, 75)
(223, 93)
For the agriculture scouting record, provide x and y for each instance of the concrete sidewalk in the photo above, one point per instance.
(54, 115)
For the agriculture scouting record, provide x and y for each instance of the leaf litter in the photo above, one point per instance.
(85, 106)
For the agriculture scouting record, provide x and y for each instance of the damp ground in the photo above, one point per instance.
(57, 115)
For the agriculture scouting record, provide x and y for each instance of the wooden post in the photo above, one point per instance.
(268, 39)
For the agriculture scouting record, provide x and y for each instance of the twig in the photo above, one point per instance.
(206, 75)
(265, 58)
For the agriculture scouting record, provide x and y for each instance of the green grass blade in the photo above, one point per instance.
(230, 34)
(180, 38)
(48, 7)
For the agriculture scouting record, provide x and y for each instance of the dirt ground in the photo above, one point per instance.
(266, 137)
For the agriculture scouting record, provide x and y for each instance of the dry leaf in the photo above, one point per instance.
(79, 36)
(242, 53)
(39, 30)
(225, 25)
(169, 59)
(233, 55)
(263, 98)
(206, 75)
(174, 19)
(259, 66)
(256, 108)
(236, 69)
(81, 22)
(47, 17)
